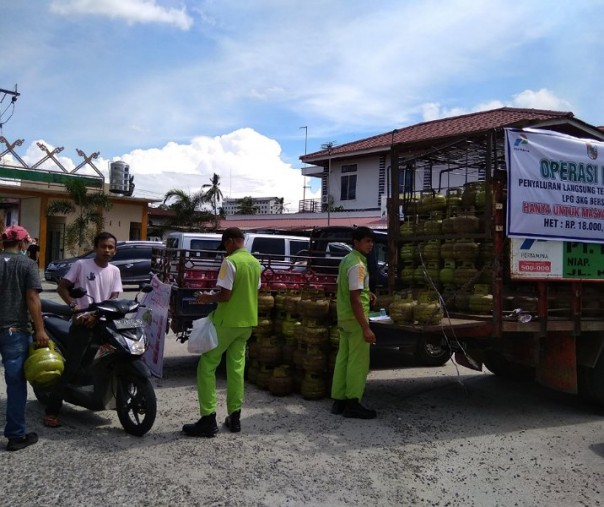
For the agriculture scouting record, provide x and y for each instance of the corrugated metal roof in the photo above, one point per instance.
(444, 128)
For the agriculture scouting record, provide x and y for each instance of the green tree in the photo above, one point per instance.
(187, 208)
(214, 195)
(247, 206)
(280, 205)
(88, 209)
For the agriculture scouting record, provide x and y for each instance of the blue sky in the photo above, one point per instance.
(181, 89)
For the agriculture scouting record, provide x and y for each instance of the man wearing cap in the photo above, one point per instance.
(354, 299)
(236, 313)
(19, 292)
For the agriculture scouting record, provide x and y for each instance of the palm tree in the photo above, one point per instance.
(187, 207)
(247, 206)
(214, 195)
(88, 209)
(280, 208)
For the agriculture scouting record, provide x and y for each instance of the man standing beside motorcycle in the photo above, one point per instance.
(20, 292)
(102, 281)
(237, 312)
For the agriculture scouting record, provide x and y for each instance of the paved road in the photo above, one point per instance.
(443, 437)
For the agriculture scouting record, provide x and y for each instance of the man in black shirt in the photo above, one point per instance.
(34, 250)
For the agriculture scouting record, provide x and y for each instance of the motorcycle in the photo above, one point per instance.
(112, 374)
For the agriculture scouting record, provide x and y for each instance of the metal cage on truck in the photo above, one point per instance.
(550, 330)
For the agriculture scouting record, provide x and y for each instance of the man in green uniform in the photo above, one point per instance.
(237, 312)
(354, 300)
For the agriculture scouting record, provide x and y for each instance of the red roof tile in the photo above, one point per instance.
(444, 128)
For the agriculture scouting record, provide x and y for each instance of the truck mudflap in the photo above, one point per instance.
(467, 361)
(557, 365)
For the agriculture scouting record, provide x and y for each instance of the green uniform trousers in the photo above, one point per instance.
(231, 340)
(352, 363)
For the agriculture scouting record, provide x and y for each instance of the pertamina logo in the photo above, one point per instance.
(521, 143)
(592, 151)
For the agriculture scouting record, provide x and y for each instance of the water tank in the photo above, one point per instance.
(119, 177)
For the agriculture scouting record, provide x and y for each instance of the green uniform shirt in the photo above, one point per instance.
(241, 310)
(352, 275)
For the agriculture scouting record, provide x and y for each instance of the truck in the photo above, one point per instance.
(493, 254)
(498, 239)
(313, 269)
(189, 270)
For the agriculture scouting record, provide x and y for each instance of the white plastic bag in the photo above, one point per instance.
(203, 336)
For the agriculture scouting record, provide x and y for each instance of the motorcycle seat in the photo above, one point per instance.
(56, 308)
(57, 326)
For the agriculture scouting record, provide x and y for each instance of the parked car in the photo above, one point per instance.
(133, 258)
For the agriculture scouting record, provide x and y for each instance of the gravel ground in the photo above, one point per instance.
(442, 437)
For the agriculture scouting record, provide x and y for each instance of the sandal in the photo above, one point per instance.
(51, 421)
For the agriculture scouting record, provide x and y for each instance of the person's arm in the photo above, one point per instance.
(224, 285)
(359, 315)
(32, 298)
(117, 287)
(63, 291)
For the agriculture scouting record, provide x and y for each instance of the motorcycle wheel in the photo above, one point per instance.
(136, 404)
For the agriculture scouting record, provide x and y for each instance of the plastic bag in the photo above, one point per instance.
(203, 336)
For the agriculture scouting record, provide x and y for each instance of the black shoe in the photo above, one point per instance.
(205, 427)
(338, 407)
(357, 411)
(233, 422)
(16, 444)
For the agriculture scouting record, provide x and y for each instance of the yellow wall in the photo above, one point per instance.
(119, 218)
(29, 215)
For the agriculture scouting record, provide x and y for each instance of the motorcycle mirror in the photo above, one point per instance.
(77, 292)
(147, 288)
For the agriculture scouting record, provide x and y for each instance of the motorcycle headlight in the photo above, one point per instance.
(138, 347)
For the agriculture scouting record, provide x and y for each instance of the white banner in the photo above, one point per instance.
(555, 186)
(154, 316)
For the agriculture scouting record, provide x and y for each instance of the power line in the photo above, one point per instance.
(14, 95)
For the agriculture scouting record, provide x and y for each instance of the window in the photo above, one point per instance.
(296, 246)
(208, 248)
(269, 246)
(348, 189)
(130, 253)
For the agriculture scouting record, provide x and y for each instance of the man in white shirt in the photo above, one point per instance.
(102, 281)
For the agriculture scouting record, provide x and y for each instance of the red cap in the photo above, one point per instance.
(16, 233)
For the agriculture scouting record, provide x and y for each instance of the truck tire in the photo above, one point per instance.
(430, 354)
(501, 366)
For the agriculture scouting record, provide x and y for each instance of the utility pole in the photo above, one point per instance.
(304, 186)
(328, 146)
(15, 94)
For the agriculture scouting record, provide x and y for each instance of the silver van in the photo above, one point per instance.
(206, 242)
(281, 246)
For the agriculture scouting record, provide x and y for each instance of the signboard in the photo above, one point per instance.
(555, 186)
(40, 175)
(559, 260)
(154, 316)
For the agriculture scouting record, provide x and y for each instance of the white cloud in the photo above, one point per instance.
(248, 163)
(527, 99)
(540, 99)
(131, 11)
